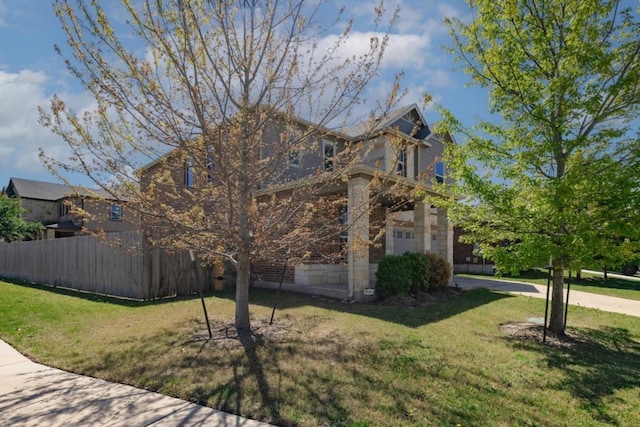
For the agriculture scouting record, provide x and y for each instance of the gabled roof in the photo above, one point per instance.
(394, 119)
(40, 190)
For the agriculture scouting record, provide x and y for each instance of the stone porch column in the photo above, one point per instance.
(422, 227)
(388, 237)
(358, 220)
(445, 236)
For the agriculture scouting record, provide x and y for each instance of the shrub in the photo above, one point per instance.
(419, 271)
(440, 271)
(411, 272)
(393, 276)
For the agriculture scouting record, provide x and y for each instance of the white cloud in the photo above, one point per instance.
(403, 50)
(21, 136)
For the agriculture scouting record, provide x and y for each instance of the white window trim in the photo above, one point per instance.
(401, 163)
(326, 159)
(295, 159)
(112, 209)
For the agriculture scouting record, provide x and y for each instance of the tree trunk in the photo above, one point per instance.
(244, 262)
(556, 323)
(242, 291)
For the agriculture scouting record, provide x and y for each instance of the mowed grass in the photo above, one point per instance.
(596, 284)
(325, 363)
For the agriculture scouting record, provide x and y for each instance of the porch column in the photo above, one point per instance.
(358, 220)
(445, 236)
(388, 239)
(422, 227)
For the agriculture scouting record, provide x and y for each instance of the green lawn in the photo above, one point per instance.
(325, 363)
(615, 287)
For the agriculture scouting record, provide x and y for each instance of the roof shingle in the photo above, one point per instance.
(30, 189)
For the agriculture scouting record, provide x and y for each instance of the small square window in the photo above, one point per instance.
(115, 214)
(294, 158)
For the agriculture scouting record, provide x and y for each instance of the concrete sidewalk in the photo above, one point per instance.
(583, 299)
(35, 395)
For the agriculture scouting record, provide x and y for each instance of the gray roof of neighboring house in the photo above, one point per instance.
(30, 189)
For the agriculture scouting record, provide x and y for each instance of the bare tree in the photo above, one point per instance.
(198, 118)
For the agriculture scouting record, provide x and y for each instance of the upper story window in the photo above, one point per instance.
(115, 213)
(210, 164)
(63, 209)
(294, 158)
(188, 173)
(440, 172)
(401, 163)
(328, 153)
(292, 141)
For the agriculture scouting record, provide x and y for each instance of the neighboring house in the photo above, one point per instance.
(68, 211)
(409, 225)
(467, 257)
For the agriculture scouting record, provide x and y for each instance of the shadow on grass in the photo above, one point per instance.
(537, 274)
(412, 316)
(600, 363)
(240, 374)
(408, 316)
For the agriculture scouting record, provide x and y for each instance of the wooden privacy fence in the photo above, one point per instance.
(118, 264)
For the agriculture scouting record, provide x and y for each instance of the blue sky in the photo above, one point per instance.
(31, 73)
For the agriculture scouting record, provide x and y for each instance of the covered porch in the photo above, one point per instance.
(408, 226)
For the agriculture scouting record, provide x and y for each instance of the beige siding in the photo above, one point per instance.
(99, 217)
(39, 210)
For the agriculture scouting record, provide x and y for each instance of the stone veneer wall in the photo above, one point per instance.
(327, 274)
(318, 268)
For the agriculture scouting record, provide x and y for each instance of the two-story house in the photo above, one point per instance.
(399, 155)
(67, 211)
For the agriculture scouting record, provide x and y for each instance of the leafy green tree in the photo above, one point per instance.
(556, 177)
(617, 236)
(12, 226)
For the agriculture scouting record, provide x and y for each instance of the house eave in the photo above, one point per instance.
(369, 172)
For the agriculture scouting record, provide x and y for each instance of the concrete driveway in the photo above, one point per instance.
(583, 299)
